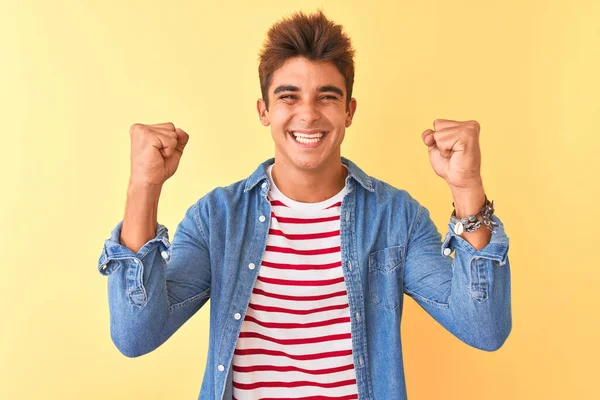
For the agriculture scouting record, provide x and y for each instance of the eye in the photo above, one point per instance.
(329, 97)
(288, 96)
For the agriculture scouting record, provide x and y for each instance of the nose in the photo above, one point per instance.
(308, 112)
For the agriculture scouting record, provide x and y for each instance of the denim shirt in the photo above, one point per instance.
(389, 247)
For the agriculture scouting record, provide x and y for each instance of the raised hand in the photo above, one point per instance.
(155, 152)
(454, 152)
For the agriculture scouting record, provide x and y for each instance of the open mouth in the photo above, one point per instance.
(308, 138)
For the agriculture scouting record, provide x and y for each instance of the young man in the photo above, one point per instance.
(306, 261)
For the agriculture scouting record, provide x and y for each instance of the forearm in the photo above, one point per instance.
(469, 294)
(149, 300)
(472, 298)
(141, 215)
(138, 303)
(480, 303)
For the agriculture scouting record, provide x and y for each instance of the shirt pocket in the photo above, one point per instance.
(386, 271)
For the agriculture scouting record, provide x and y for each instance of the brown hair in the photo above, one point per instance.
(312, 36)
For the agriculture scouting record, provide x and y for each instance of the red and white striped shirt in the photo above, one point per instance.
(295, 341)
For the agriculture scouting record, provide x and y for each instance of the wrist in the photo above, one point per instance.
(139, 188)
(468, 201)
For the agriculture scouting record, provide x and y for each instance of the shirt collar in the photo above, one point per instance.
(354, 172)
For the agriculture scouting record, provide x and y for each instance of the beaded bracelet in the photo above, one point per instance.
(472, 223)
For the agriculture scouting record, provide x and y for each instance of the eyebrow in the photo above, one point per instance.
(286, 88)
(321, 89)
(331, 88)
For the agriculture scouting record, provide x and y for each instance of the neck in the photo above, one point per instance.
(310, 186)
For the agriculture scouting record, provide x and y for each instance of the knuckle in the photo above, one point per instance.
(169, 126)
(134, 128)
(172, 135)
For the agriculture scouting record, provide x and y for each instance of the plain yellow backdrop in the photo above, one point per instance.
(74, 75)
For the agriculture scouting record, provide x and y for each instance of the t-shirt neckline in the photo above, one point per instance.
(302, 206)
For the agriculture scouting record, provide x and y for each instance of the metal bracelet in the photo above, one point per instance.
(472, 222)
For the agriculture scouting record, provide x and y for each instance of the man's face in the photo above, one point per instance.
(307, 113)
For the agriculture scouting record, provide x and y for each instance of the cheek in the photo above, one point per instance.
(280, 118)
(336, 118)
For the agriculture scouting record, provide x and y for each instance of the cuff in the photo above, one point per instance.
(113, 249)
(496, 249)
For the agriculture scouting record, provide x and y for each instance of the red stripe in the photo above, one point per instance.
(301, 266)
(290, 220)
(319, 339)
(288, 250)
(255, 385)
(303, 236)
(347, 397)
(299, 298)
(287, 282)
(294, 325)
(277, 203)
(256, 368)
(258, 307)
(338, 204)
(316, 356)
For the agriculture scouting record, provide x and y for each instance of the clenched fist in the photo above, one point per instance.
(155, 152)
(454, 152)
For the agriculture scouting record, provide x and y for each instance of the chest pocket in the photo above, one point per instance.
(386, 270)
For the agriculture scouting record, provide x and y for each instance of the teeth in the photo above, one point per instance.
(308, 136)
(306, 141)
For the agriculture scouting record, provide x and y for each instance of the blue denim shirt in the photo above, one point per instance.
(390, 246)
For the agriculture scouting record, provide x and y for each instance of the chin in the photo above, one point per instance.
(309, 163)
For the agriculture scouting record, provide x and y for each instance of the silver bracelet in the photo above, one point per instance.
(472, 222)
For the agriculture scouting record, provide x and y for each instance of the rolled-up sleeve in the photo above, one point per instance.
(113, 252)
(151, 293)
(468, 294)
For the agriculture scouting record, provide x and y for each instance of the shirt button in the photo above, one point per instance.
(358, 316)
(164, 255)
(221, 368)
(251, 266)
(361, 360)
(262, 218)
(104, 267)
(237, 315)
(447, 251)
(264, 185)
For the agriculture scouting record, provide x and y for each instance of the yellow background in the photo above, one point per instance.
(74, 75)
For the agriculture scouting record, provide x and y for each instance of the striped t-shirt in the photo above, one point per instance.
(295, 340)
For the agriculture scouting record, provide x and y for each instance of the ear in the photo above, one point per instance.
(350, 112)
(263, 113)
